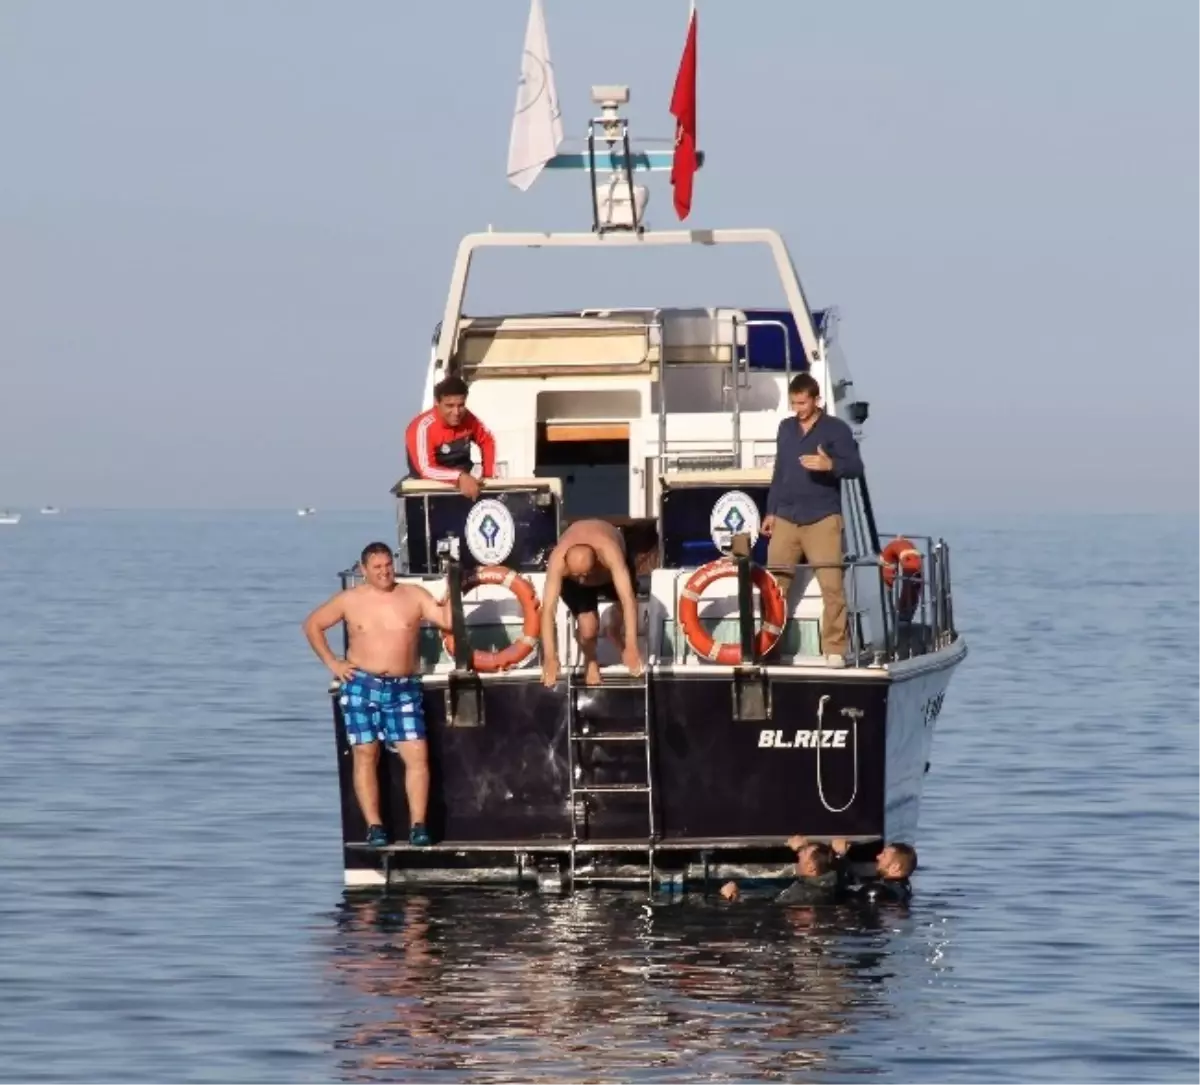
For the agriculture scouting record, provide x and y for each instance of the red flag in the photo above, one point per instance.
(683, 107)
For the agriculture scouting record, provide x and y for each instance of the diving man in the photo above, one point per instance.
(591, 562)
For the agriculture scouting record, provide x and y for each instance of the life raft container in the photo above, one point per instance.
(489, 662)
(901, 558)
(774, 609)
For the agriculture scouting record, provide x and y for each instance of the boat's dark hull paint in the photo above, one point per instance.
(715, 779)
(718, 779)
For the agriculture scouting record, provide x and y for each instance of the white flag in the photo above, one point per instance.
(537, 127)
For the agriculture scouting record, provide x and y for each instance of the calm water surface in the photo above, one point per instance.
(170, 900)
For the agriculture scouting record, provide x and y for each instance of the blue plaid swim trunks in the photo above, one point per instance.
(380, 708)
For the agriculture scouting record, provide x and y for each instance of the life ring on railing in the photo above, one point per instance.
(520, 650)
(901, 558)
(774, 612)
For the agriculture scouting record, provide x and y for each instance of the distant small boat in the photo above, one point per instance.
(306, 512)
(7, 517)
(49, 510)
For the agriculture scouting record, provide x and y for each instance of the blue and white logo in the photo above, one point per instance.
(734, 514)
(490, 532)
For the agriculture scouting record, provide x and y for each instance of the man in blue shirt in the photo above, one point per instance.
(813, 453)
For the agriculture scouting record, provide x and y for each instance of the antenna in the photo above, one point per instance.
(617, 203)
(609, 98)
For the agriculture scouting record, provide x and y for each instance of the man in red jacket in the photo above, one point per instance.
(439, 440)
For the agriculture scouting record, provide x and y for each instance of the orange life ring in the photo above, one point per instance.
(774, 612)
(489, 662)
(901, 557)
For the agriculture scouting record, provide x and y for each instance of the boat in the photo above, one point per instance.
(662, 420)
(9, 517)
(306, 512)
(49, 510)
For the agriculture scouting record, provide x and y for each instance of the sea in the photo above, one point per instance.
(171, 906)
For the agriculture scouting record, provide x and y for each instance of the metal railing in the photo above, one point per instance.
(915, 614)
(733, 456)
(921, 608)
(739, 367)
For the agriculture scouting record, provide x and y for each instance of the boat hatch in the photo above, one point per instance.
(583, 439)
(592, 461)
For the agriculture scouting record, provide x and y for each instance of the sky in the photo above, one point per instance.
(227, 229)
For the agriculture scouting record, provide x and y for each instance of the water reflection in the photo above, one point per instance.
(497, 986)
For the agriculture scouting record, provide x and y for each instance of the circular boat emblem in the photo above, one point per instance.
(734, 514)
(490, 532)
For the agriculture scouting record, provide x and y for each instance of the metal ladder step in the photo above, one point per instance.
(624, 705)
(609, 789)
(625, 702)
(615, 681)
(587, 878)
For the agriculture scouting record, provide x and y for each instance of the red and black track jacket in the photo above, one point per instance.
(440, 452)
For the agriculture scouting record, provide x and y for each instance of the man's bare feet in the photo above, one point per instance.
(591, 674)
(729, 891)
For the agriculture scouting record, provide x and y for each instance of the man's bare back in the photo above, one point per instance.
(602, 537)
(589, 561)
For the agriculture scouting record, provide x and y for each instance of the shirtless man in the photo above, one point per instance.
(588, 563)
(381, 690)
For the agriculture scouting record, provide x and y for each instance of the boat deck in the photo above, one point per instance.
(555, 865)
(565, 847)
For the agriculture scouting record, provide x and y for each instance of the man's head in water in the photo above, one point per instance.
(814, 860)
(896, 862)
(378, 567)
(580, 560)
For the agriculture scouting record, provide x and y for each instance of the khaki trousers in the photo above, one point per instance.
(816, 544)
